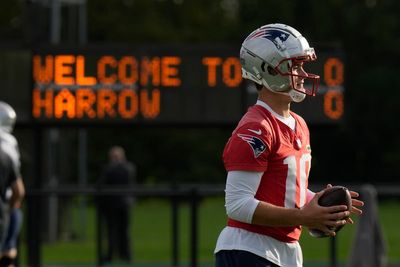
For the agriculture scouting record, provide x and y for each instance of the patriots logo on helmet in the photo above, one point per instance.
(274, 35)
(255, 143)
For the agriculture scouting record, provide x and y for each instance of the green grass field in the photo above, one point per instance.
(151, 236)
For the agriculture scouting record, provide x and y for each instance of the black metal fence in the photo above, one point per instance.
(191, 194)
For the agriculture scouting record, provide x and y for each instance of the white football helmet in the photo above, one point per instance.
(7, 117)
(273, 56)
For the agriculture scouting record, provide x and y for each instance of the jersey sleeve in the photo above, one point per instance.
(248, 149)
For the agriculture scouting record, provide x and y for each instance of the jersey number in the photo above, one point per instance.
(296, 187)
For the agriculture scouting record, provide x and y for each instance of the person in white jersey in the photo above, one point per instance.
(12, 188)
(268, 159)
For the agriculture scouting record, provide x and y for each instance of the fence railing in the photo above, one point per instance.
(192, 194)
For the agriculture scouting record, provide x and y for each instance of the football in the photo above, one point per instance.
(333, 196)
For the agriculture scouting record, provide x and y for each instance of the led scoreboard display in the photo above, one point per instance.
(161, 85)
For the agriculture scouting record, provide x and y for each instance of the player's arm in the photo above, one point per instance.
(18, 193)
(16, 182)
(241, 187)
(311, 215)
(242, 205)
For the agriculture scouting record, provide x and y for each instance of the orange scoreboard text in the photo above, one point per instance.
(177, 85)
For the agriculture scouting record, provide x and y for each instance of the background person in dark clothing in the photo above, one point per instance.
(116, 208)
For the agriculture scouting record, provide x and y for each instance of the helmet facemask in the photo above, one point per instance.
(301, 81)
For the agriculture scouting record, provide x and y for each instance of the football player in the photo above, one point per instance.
(12, 189)
(268, 158)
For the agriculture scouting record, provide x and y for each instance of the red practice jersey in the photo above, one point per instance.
(262, 143)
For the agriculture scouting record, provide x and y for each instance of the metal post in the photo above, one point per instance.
(82, 176)
(33, 232)
(52, 201)
(175, 232)
(99, 241)
(82, 17)
(34, 206)
(333, 252)
(194, 239)
(55, 25)
(53, 141)
(82, 39)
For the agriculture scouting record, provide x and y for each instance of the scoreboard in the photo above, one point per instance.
(181, 84)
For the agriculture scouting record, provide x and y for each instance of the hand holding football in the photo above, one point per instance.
(333, 196)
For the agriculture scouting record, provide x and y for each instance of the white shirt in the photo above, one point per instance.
(10, 146)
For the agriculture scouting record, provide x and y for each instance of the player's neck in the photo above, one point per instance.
(279, 103)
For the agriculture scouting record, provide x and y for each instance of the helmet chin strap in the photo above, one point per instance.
(293, 94)
(296, 96)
